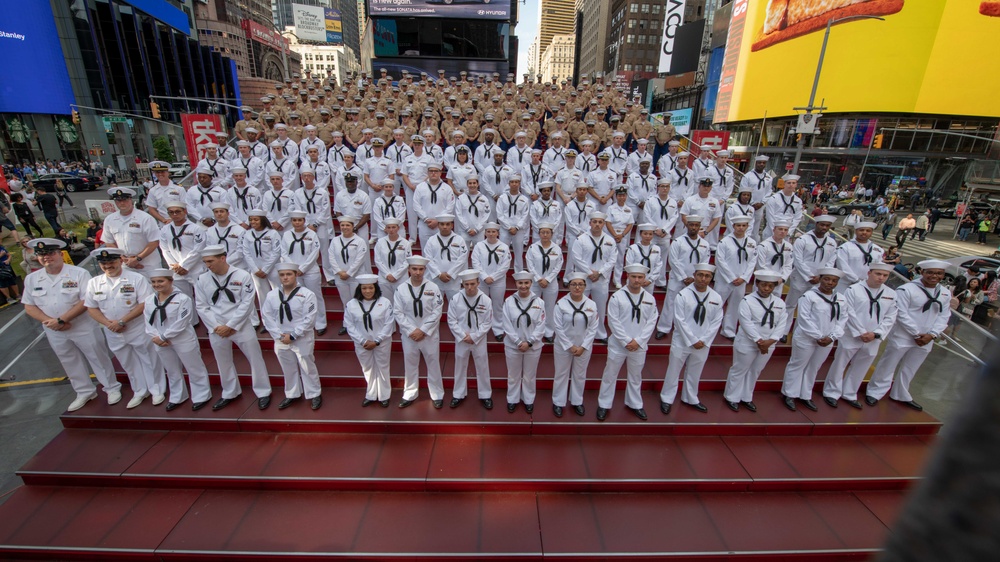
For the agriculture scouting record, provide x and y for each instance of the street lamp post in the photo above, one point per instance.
(809, 109)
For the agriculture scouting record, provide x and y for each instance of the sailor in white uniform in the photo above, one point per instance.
(620, 222)
(278, 202)
(524, 323)
(922, 315)
(546, 209)
(512, 214)
(349, 258)
(685, 253)
(354, 202)
(742, 208)
(736, 259)
(470, 318)
(682, 181)
(242, 196)
(632, 317)
(721, 175)
(315, 202)
(205, 192)
(417, 309)
(706, 206)
(115, 300)
(224, 298)
(856, 256)
(595, 254)
(472, 211)
(431, 198)
(762, 323)
(576, 217)
(870, 307)
(226, 233)
(391, 253)
(491, 258)
(261, 249)
(283, 164)
(784, 204)
(776, 253)
(575, 329)
(758, 181)
(661, 211)
(134, 231)
(448, 256)
(300, 245)
(386, 206)
(697, 317)
(181, 242)
(55, 296)
(645, 252)
(289, 314)
(370, 323)
(545, 261)
(812, 251)
(602, 183)
(822, 316)
(169, 315)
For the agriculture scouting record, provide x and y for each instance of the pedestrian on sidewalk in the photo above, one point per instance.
(984, 227)
(905, 227)
(935, 215)
(49, 206)
(24, 214)
(965, 227)
(890, 221)
(921, 229)
(852, 219)
(61, 193)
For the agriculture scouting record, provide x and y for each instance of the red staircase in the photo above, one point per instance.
(467, 483)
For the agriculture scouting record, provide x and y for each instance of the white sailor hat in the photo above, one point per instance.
(762, 158)
(275, 144)
(391, 221)
(767, 275)
(243, 143)
(636, 268)
(203, 168)
(491, 225)
(665, 180)
(782, 223)
(523, 276)
(543, 184)
(792, 177)
(175, 204)
(520, 134)
(161, 272)
(208, 145)
(445, 218)
(536, 151)
(683, 153)
(933, 264)
(287, 266)
(723, 153)
(578, 276)
(705, 267)
(618, 134)
(745, 189)
(306, 169)
(740, 219)
(309, 128)
(257, 213)
(548, 225)
(642, 141)
(881, 267)
(275, 174)
(694, 218)
(865, 224)
(598, 215)
(347, 218)
(674, 143)
(417, 260)
(297, 214)
(388, 181)
(280, 126)
(557, 135)
(646, 226)
(252, 130)
(469, 274)
(829, 271)
(366, 279)
(213, 250)
(826, 218)
(218, 205)
(434, 166)
(367, 130)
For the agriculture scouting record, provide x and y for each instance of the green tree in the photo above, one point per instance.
(163, 150)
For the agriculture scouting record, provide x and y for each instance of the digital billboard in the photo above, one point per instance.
(925, 57)
(316, 23)
(482, 9)
(475, 68)
(36, 79)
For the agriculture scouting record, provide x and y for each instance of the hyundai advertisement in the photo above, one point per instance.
(482, 9)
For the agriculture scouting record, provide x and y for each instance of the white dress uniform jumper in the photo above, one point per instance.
(575, 325)
(171, 320)
(760, 319)
(697, 317)
(372, 320)
(631, 317)
(419, 307)
(523, 321)
(867, 310)
(472, 317)
(819, 316)
(294, 313)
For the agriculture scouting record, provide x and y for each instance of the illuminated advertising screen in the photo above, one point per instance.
(316, 23)
(34, 68)
(925, 56)
(482, 9)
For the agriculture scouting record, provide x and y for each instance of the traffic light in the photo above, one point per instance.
(155, 108)
(877, 141)
(76, 117)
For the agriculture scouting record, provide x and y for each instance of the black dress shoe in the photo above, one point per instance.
(171, 406)
(580, 410)
(750, 406)
(322, 331)
(500, 338)
(222, 403)
(366, 402)
(455, 402)
(261, 329)
(640, 413)
(263, 403)
(288, 402)
(810, 405)
(699, 406)
(557, 410)
(871, 401)
(548, 339)
(342, 331)
(783, 339)
(198, 405)
(830, 401)
(529, 408)
(602, 341)
(853, 403)
(913, 405)
(437, 404)
(384, 403)
(602, 414)
(660, 335)
(316, 402)
(511, 408)
(487, 403)
(734, 406)
(405, 403)
(789, 402)
(665, 408)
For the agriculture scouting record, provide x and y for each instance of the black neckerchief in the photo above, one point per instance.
(366, 315)
(874, 306)
(779, 254)
(277, 200)
(524, 313)
(741, 250)
(491, 254)
(820, 247)
(301, 242)
(222, 288)
(546, 259)
(345, 252)
(223, 238)
(598, 252)
(694, 250)
(418, 303)
(310, 201)
(434, 192)
(175, 241)
(513, 205)
(834, 306)
(284, 306)
(445, 246)
(644, 256)
(867, 253)
(258, 246)
(392, 251)
(242, 197)
(636, 307)
(161, 308)
(931, 300)
(663, 208)
(768, 313)
(581, 213)
(789, 205)
(699, 310)
(470, 313)
(387, 209)
(472, 205)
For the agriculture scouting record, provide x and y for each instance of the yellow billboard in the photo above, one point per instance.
(926, 56)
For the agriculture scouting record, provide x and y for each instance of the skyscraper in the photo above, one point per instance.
(282, 14)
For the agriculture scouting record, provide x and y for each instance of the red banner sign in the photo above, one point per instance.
(707, 140)
(199, 130)
(259, 33)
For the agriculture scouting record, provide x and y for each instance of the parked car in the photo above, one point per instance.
(844, 207)
(72, 183)
(960, 264)
(179, 169)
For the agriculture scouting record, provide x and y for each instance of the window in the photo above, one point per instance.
(631, 24)
(642, 39)
(628, 67)
(649, 68)
(633, 8)
(630, 39)
(654, 24)
(645, 8)
(656, 8)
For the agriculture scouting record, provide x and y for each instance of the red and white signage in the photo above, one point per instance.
(199, 130)
(707, 140)
(259, 33)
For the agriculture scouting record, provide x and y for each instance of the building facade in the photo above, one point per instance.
(557, 60)
(322, 61)
(593, 16)
(281, 12)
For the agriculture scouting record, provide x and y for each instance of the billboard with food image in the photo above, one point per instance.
(922, 58)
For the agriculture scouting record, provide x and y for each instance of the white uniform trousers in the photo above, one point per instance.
(850, 365)
(731, 297)
(471, 241)
(412, 222)
(796, 288)
(345, 290)
(634, 361)
(691, 361)
(299, 366)
(803, 367)
(758, 222)
(263, 285)
(79, 346)
(516, 242)
(375, 367)
(664, 244)
(430, 348)
(570, 262)
(666, 321)
(598, 292)
(449, 289)
(314, 282)
(482, 360)
(424, 231)
(522, 366)
(496, 293)
(246, 340)
(184, 354)
(748, 362)
(324, 253)
(570, 374)
(549, 296)
(620, 263)
(388, 289)
(901, 363)
(135, 352)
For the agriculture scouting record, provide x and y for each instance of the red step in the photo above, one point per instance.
(569, 463)
(130, 523)
(342, 412)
